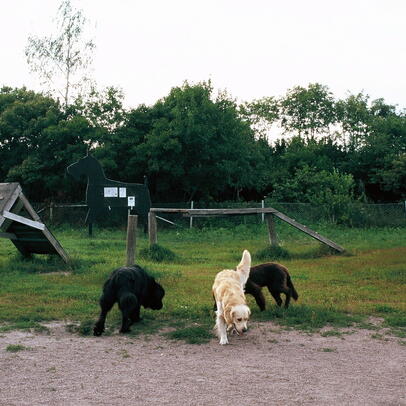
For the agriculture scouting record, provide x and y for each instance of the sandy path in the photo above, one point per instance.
(267, 366)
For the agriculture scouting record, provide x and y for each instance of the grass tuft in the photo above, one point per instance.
(158, 253)
(196, 334)
(16, 348)
(272, 252)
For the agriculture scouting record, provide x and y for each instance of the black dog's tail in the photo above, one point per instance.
(292, 288)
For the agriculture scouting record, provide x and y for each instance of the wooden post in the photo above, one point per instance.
(191, 217)
(51, 212)
(131, 238)
(273, 238)
(152, 228)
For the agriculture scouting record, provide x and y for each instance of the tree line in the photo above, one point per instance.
(193, 144)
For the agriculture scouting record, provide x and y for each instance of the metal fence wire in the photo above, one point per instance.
(354, 215)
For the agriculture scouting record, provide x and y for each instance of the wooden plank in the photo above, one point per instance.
(16, 209)
(24, 220)
(55, 243)
(273, 238)
(10, 236)
(9, 193)
(214, 212)
(29, 208)
(308, 231)
(152, 228)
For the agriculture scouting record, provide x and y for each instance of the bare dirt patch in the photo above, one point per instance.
(267, 366)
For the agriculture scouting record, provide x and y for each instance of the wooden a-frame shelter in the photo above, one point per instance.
(20, 223)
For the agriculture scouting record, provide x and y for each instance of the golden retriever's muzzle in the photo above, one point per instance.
(234, 329)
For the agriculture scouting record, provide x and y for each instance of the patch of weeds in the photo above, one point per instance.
(308, 318)
(378, 336)
(158, 253)
(196, 334)
(385, 309)
(367, 325)
(85, 328)
(273, 341)
(272, 252)
(332, 333)
(25, 325)
(396, 320)
(329, 349)
(394, 275)
(124, 353)
(16, 348)
(323, 250)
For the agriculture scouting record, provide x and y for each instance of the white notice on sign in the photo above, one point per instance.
(131, 201)
(110, 192)
(122, 192)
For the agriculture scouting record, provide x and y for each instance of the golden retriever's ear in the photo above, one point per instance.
(228, 315)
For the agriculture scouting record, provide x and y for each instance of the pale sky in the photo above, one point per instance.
(251, 48)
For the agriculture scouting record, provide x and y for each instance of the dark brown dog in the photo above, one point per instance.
(276, 278)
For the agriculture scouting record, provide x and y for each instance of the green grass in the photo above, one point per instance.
(16, 348)
(334, 290)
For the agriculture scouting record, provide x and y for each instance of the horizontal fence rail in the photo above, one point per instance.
(152, 223)
(355, 215)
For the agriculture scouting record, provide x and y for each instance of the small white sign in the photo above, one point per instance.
(122, 192)
(110, 192)
(131, 201)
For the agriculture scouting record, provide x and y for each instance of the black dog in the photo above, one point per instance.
(131, 287)
(276, 278)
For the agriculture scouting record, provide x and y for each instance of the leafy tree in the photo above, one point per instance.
(62, 61)
(355, 119)
(103, 109)
(23, 117)
(38, 142)
(308, 111)
(261, 114)
(43, 171)
(329, 190)
(191, 146)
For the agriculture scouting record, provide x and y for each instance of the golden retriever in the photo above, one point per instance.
(228, 291)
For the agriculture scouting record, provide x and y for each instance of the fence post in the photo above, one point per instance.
(152, 228)
(51, 211)
(273, 238)
(131, 238)
(263, 206)
(191, 217)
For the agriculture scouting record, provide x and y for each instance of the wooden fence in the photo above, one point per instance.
(269, 213)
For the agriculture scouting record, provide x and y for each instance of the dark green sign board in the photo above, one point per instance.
(104, 194)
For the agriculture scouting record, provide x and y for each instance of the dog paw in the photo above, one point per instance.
(223, 341)
(124, 330)
(98, 332)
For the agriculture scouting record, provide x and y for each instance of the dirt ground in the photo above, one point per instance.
(266, 366)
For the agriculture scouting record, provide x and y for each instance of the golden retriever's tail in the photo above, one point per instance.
(243, 268)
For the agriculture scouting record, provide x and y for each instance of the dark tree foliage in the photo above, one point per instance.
(194, 145)
(189, 144)
(37, 142)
